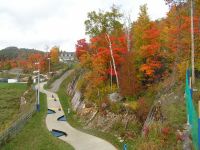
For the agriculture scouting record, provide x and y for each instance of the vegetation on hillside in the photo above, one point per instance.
(17, 53)
(134, 60)
(10, 109)
(35, 135)
(27, 59)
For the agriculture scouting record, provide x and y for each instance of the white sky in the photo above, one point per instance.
(45, 23)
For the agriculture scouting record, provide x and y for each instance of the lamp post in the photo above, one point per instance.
(49, 63)
(192, 41)
(38, 89)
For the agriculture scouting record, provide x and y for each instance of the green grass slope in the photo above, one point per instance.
(35, 136)
(10, 103)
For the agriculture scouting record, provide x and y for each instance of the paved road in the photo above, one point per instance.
(76, 138)
(55, 85)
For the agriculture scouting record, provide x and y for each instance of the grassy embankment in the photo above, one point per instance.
(7, 75)
(175, 119)
(75, 121)
(10, 103)
(35, 136)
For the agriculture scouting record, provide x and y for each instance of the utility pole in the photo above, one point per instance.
(49, 63)
(38, 103)
(38, 89)
(192, 43)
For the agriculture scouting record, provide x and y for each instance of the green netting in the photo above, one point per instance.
(191, 113)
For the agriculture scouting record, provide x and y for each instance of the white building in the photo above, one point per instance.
(67, 57)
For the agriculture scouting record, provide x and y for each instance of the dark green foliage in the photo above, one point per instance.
(16, 53)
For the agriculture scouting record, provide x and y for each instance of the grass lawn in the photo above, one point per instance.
(7, 75)
(76, 123)
(10, 102)
(35, 135)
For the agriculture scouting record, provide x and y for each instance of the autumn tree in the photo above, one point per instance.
(138, 28)
(106, 24)
(54, 55)
(152, 56)
(96, 59)
(103, 22)
(129, 82)
(82, 47)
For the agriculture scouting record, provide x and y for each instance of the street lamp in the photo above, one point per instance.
(38, 89)
(49, 63)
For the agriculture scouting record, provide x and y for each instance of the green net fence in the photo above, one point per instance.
(191, 113)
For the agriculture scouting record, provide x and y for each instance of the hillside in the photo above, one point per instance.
(14, 52)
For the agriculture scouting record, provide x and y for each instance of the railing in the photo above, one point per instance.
(16, 126)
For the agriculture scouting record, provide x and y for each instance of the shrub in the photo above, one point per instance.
(132, 105)
(142, 109)
(118, 127)
(165, 131)
(117, 108)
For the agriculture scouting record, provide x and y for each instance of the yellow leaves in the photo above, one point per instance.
(86, 60)
(132, 105)
(54, 54)
(182, 69)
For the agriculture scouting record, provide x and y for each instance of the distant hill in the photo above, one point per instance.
(16, 53)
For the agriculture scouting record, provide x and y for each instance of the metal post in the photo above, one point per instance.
(199, 126)
(49, 64)
(192, 44)
(38, 90)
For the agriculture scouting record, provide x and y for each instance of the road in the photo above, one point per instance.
(79, 140)
(55, 85)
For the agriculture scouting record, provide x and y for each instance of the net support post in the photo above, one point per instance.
(199, 126)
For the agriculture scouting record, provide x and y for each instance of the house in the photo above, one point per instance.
(67, 57)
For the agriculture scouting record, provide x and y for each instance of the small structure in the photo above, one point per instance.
(12, 80)
(67, 57)
(6, 80)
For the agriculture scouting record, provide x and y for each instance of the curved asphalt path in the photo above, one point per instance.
(79, 140)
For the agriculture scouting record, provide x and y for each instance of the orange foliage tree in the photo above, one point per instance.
(54, 54)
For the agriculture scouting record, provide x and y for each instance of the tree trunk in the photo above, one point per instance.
(113, 60)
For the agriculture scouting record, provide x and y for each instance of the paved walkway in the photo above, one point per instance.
(76, 138)
(56, 84)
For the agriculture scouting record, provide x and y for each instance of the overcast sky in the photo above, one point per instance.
(44, 23)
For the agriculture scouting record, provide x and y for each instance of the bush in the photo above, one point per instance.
(117, 108)
(118, 127)
(134, 126)
(142, 109)
(150, 145)
(133, 106)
